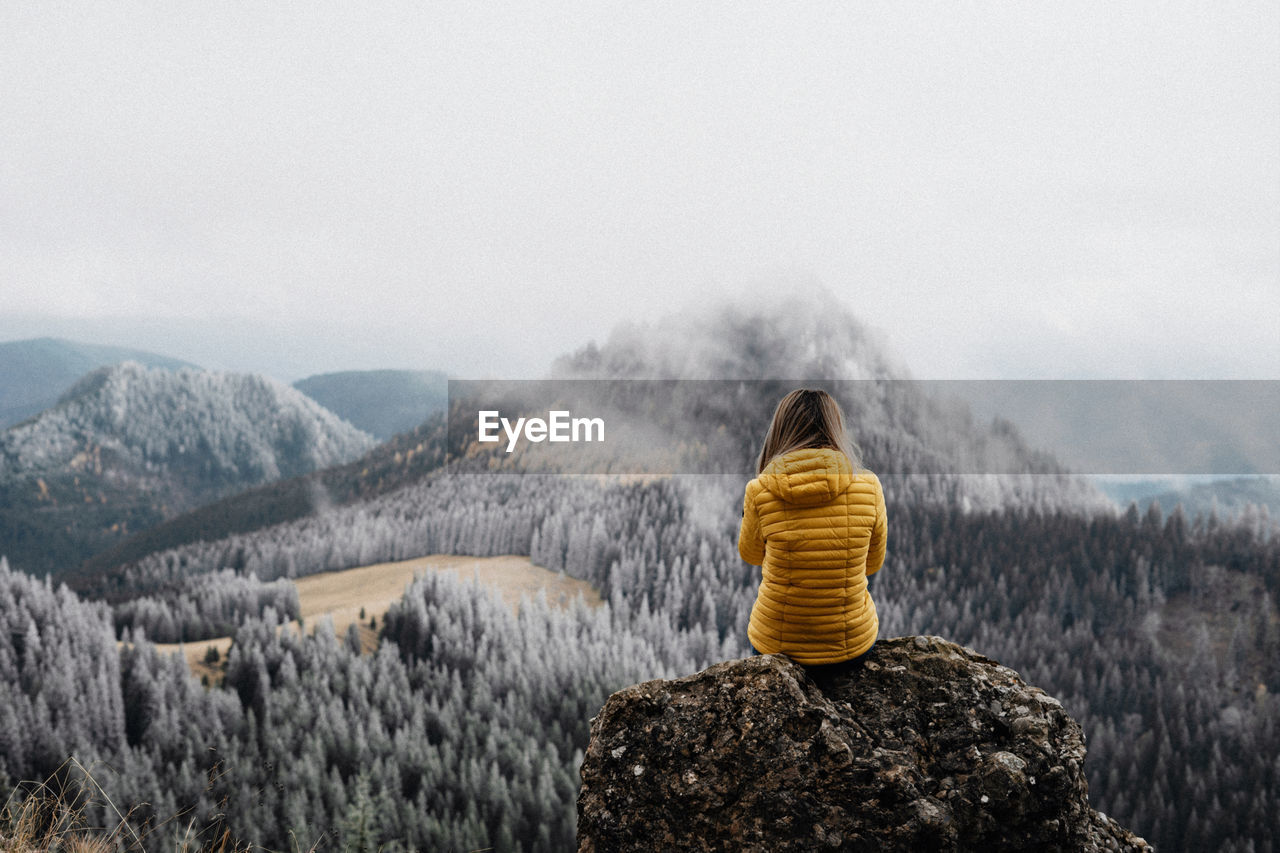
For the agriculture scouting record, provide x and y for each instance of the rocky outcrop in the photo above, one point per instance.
(928, 746)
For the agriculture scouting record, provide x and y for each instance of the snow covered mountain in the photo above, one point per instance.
(129, 446)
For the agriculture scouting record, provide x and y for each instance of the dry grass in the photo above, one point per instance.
(374, 588)
(53, 815)
(343, 595)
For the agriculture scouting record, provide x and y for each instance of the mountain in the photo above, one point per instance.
(806, 335)
(35, 373)
(736, 361)
(928, 746)
(798, 332)
(405, 459)
(383, 403)
(129, 446)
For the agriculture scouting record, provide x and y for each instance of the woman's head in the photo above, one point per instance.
(807, 417)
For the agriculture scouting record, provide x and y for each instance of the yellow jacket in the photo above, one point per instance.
(818, 530)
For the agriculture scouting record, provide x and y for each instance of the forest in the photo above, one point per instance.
(466, 727)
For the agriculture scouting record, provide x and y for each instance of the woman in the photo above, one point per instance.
(814, 520)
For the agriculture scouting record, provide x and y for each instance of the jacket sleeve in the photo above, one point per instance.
(750, 539)
(875, 552)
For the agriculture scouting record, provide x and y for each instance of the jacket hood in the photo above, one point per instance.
(811, 475)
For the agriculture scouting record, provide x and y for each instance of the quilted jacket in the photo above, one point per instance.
(817, 529)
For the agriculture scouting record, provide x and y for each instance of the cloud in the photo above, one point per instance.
(1002, 190)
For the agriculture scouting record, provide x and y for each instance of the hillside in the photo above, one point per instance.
(35, 373)
(129, 446)
(383, 403)
(404, 459)
(1063, 598)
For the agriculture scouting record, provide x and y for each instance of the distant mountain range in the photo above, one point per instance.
(129, 446)
(35, 373)
(1140, 428)
(900, 431)
(1229, 498)
(383, 403)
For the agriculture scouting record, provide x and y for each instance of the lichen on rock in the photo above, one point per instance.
(929, 746)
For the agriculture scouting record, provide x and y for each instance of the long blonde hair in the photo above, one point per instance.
(808, 417)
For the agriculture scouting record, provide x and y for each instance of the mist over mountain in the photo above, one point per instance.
(383, 403)
(800, 331)
(35, 373)
(918, 443)
(128, 446)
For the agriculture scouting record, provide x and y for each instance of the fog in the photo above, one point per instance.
(1087, 190)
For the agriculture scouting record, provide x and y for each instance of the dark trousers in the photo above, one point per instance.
(828, 670)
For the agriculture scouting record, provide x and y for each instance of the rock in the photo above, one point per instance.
(929, 746)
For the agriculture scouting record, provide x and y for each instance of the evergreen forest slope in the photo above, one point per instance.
(404, 459)
(129, 446)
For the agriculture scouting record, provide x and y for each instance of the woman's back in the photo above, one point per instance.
(817, 528)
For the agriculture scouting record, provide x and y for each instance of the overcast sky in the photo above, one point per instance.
(1004, 190)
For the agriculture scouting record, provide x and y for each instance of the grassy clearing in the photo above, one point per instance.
(371, 589)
